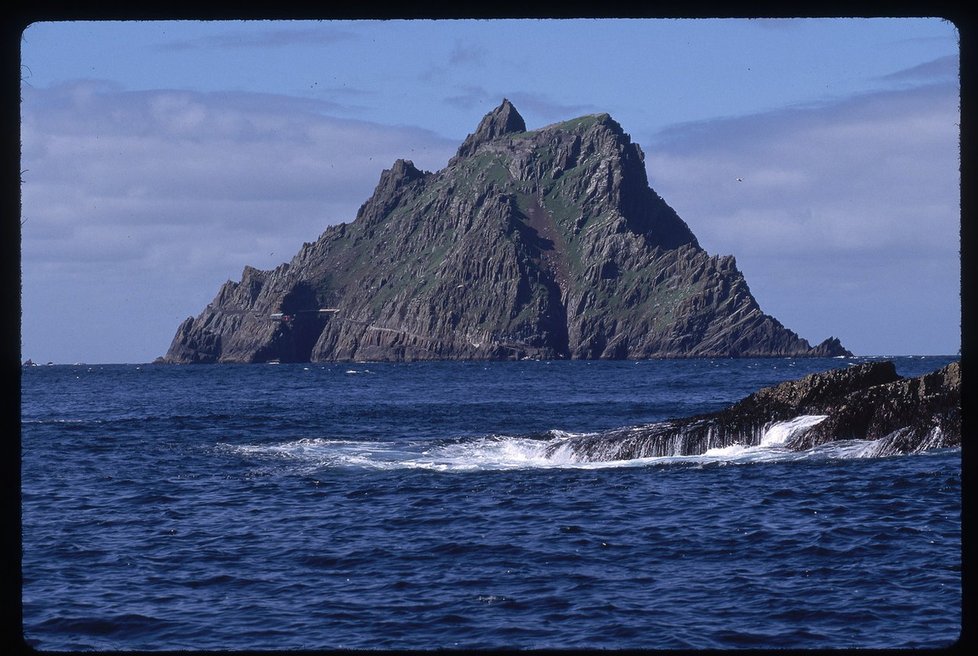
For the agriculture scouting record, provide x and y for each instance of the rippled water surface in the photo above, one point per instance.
(414, 506)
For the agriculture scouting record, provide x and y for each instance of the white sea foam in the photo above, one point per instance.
(727, 451)
(502, 452)
(782, 432)
(493, 452)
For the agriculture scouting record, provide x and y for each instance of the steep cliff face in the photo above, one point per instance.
(546, 243)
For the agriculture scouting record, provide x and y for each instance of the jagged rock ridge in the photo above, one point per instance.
(546, 244)
(862, 402)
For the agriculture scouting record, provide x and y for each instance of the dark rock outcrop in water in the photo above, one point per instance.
(545, 243)
(862, 402)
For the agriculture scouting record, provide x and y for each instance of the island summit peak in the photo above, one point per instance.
(547, 243)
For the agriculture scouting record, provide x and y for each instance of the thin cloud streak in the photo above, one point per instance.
(941, 68)
(467, 54)
(283, 38)
(531, 105)
(543, 106)
(468, 97)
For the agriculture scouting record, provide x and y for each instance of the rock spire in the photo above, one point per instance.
(502, 120)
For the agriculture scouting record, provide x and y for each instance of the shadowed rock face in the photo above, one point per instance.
(862, 402)
(546, 243)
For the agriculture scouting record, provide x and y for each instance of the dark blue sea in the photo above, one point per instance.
(412, 506)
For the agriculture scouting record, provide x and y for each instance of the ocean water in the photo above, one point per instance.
(413, 506)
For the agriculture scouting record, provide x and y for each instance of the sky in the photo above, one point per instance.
(159, 158)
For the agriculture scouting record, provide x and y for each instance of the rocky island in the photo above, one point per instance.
(870, 402)
(545, 243)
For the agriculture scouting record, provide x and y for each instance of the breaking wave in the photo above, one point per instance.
(554, 449)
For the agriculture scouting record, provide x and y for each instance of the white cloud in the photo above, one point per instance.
(877, 171)
(98, 157)
(846, 214)
(121, 186)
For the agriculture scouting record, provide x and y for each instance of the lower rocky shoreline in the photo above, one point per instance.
(861, 402)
